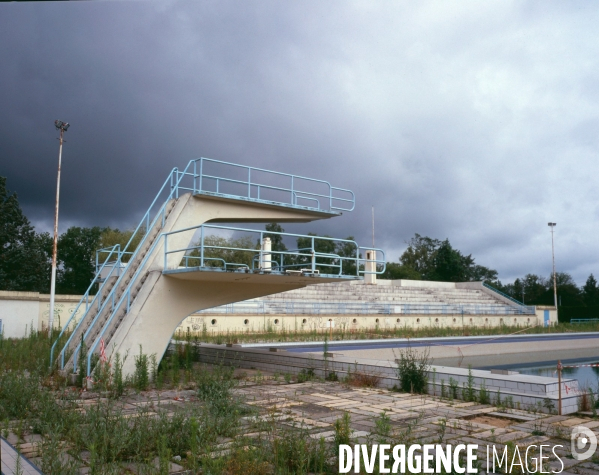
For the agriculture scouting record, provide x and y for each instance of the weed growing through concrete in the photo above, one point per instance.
(412, 369)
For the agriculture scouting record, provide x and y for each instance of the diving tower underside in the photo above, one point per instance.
(177, 268)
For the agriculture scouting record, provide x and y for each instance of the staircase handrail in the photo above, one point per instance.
(174, 193)
(174, 185)
(107, 250)
(517, 302)
(115, 308)
(85, 298)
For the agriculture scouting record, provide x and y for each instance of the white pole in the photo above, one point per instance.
(55, 243)
(552, 226)
(554, 275)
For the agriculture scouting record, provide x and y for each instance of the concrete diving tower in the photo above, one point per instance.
(172, 266)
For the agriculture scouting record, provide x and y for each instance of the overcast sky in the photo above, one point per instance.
(474, 121)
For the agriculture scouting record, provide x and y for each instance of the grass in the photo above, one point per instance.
(99, 430)
(210, 433)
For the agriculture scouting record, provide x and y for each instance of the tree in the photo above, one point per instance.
(450, 265)
(481, 273)
(24, 255)
(568, 293)
(395, 271)
(219, 250)
(276, 240)
(515, 290)
(77, 256)
(322, 245)
(590, 292)
(420, 254)
(110, 237)
(535, 290)
(347, 250)
(431, 259)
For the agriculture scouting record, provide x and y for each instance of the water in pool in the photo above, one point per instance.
(588, 377)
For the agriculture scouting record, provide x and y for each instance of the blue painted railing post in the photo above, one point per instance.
(249, 182)
(293, 200)
(195, 176)
(165, 249)
(201, 173)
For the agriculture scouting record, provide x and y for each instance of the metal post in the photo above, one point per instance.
(313, 257)
(559, 390)
(249, 182)
(62, 126)
(202, 246)
(552, 226)
(195, 176)
(201, 173)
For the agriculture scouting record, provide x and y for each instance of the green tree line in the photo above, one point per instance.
(26, 256)
(432, 259)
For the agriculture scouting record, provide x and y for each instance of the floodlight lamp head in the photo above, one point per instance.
(551, 224)
(60, 125)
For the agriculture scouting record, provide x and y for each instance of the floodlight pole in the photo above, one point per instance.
(552, 226)
(62, 126)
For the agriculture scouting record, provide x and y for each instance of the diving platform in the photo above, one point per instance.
(178, 265)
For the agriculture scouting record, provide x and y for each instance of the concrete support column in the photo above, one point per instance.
(266, 262)
(370, 266)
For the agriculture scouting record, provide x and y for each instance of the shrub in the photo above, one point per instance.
(305, 375)
(343, 431)
(453, 388)
(141, 376)
(361, 380)
(412, 370)
(484, 397)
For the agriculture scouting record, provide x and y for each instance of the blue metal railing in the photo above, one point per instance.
(126, 296)
(172, 183)
(96, 299)
(505, 295)
(307, 260)
(263, 307)
(101, 260)
(257, 185)
(576, 321)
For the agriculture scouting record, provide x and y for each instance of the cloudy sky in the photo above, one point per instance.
(468, 120)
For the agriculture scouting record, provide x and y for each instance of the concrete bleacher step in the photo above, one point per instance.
(411, 298)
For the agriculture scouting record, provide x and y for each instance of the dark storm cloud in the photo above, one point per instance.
(472, 121)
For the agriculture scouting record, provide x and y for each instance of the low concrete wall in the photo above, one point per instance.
(22, 311)
(240, 323)
(19, 311)
(524, 391)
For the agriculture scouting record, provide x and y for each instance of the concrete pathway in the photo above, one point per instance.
(9, 461)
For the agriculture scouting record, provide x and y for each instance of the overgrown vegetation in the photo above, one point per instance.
(412, 369)
(105, 436)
